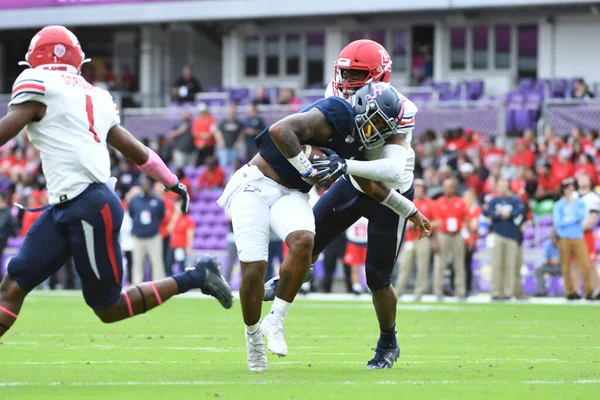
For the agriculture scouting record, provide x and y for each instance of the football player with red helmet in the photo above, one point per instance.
(71, 123)
(361, 63)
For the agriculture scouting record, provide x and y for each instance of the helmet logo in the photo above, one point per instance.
(343, 62)
(385, 57)
(378, 90)
(59, 50)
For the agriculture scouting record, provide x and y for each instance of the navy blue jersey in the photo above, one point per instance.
(340, 116)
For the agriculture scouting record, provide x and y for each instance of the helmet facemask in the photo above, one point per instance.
(347, 81)
(373, 126)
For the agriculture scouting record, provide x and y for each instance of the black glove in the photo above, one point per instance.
(180, 189)
(333, 166)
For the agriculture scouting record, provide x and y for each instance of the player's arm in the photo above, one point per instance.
(148, 161)
(396, 202)
(288, 132)
(17, 118)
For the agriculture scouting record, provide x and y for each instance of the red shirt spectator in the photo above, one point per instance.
(452, 213)
(473, 214)
(203, 130)
(181, 227)
(562, 168)
(164, 223)
(212, 177)
(523, 156)
(470, 179)
(28, 219)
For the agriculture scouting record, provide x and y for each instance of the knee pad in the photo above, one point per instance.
(378, 278)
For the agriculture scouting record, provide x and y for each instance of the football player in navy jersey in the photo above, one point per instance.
(389, 159)
(270, 193)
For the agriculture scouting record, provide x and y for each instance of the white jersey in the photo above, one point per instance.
(357, 233)
(71, 138)
(407, 126)
(592, 201)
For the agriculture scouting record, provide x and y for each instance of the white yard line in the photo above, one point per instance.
(279, 383)
(404, 302)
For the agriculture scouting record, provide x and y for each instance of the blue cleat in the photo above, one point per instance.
(272, 284)
(384, 358)
(212, 283)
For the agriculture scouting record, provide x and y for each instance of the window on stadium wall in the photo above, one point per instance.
(315, 46)
(379, 37)
(527, 51)
(356, 35)
(502, 46)
(399, 49)
(458, 42)
(480, 47)
(272, 54)
(251, 55)
(292, 54)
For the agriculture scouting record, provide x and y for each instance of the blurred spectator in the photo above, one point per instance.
(36, 199)
(508, 170)
(490, 154)
(414, 251)
(126, 241)
(261, 96)
(470, 235)
(253, 125)
(452, 215)
(203, 131)
(126, 80)
(228, 135)
(183, 141)
(428, 149)
(506, 214)
(288, 97)
(562, 167)
(146, 211)
(581, 90)
(212, 177)
(186, 86)
(7, 224)
(181, 229)
(126, 177)
(585, 166)
(470, 179)
(524, 156)
(549, 264)
(356, 251)
(530, 139)
(569, 215)
(591, 198)
(168, 199)
(548, 187)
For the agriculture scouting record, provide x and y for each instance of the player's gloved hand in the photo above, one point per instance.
(331, 167)
(180, 189)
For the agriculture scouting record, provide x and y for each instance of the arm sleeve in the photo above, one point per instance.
(407, 123)
(29, 86)
(338, 113)
(387, 169)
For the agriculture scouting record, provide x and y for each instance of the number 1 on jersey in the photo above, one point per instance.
(89, 108)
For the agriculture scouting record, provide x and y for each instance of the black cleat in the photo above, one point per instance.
(384, 358)
(574, 296)
(272, 284)
(214, 284)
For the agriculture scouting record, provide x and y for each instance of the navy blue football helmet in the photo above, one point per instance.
(379, 109)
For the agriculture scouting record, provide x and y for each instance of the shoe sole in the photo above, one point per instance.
(223, 295)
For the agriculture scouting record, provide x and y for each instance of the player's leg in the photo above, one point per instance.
(44, 251)
(440, 264)
(250, 219)
(582, 259)
(93, 237)
(407, 262)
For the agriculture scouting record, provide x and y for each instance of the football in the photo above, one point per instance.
(312, 152)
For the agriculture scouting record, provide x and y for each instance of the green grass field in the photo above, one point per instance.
(193, 349)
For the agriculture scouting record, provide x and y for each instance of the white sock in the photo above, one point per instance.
(280, 307)
(251, 329)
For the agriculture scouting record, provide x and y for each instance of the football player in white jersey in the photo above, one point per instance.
(592, 201)
(360, 63)
(71, 123)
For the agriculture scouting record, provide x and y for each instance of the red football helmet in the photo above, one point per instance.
(56, 48)
(361, 55)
